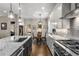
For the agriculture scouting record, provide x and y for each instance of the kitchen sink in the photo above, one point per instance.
(21, 39)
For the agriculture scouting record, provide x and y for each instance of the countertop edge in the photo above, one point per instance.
(68, 50)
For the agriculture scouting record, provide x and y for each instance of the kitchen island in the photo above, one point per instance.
(8, 45)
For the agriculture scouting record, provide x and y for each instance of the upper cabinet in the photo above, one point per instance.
(70, 10)
(59, 11)
(73, 6)
(66, 8)
(54, 21)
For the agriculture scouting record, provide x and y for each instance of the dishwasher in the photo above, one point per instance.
(19, 52)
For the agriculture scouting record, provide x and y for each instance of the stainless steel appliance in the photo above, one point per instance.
(59, 51)
(73, 45)
(66, 47)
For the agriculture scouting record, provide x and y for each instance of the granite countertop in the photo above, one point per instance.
(9, 46)
(57, 37)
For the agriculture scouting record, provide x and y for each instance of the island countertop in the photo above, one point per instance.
(10, 46)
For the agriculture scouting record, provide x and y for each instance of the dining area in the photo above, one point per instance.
(39, 44)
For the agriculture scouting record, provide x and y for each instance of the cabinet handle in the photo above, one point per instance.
(20, 52)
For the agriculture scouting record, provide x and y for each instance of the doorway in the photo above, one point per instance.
(20, 30)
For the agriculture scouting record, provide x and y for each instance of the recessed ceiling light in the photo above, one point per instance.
(43, 8)
(5, 11)
(19, 8)
(54, 23)
(59, 8)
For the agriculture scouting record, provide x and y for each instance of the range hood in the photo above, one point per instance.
(72, 14)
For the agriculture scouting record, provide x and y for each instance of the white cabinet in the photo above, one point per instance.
(50, 43)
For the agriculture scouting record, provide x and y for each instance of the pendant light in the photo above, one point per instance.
(11, 15)
(40, 22)
(20, 20)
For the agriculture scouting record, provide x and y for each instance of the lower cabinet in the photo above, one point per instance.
(50, 43)
(27, 48)
(18, 52)
(24, 50)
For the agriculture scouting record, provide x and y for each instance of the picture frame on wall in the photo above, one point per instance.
(3, 26)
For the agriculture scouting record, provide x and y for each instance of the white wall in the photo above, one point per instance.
(4, 33)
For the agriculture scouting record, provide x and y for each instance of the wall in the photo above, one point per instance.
(34, 23)
(4, 33)
(62, 25)
(71, 24)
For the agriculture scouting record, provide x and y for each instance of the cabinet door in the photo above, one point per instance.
(28, 47)
(50, 42)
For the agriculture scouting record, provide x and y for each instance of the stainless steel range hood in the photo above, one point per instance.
(72, 14)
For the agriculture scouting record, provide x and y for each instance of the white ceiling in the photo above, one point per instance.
(29, 10)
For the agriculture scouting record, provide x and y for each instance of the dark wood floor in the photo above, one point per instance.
(40, 49)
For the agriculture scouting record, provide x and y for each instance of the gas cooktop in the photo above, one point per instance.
(73, 45)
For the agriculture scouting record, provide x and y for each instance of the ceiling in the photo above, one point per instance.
(29, 10)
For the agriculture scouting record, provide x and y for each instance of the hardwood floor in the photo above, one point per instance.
(40, 49)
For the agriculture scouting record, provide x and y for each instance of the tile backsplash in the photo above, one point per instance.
(62, 32)
(74, 28)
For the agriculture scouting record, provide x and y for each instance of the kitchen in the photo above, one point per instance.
(31, 29)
